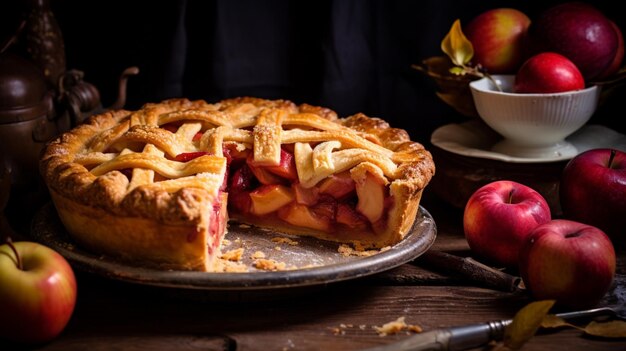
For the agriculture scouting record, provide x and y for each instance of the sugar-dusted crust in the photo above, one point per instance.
(119, 189)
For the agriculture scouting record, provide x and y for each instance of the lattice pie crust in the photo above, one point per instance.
(157, 186)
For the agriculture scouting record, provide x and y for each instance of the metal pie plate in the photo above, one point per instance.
(309, 261)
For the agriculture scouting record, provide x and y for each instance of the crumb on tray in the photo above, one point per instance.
(358, 250)
(233, 255)
(225, 266)
(283, 240)
(258, 254)
(269, 265)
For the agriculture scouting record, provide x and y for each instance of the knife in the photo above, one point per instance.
(474, 335)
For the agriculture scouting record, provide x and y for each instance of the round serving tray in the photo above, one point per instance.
(309, 261)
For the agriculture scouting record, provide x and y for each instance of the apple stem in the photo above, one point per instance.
(611, 157)
(17, 255)
(493, 81)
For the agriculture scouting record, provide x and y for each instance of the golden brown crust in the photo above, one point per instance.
(110, 191)
(121, 166)
(180, 247)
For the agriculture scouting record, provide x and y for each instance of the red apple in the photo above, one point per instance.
(578, 31)
(567, 261)
(499, 216)
(498, 38)
(37, 292)
(592, 190)
(619, 56)
(548, 72)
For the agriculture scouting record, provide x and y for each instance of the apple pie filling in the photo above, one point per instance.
(355, 199)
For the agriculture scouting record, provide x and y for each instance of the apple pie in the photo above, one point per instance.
(157, 186)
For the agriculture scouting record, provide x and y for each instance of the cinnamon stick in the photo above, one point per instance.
(468, 268)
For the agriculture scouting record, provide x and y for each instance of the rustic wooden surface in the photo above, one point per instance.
(340, 316)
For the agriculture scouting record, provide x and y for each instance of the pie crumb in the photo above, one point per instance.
(347, 250)
(233, 255)
(282, 240)
(224, 266)
(414, 328)
(269, 265)
(258, 254)
(396, 326)
(337, 331)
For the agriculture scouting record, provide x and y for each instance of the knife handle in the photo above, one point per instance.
(475, 335)
(456, 338)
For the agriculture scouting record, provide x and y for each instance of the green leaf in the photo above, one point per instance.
(525, 323)
(456, 45)
(459, 71)
(612, 329)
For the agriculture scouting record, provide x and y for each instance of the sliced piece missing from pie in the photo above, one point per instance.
(157, 186)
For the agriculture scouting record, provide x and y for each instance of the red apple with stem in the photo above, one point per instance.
(592, 190)
(37, 292)
(567, 261)
(546, 73)
(498, 37)
(499, 216)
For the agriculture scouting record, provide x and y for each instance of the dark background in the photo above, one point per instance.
(350, 55)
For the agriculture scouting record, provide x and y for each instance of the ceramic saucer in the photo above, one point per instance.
(475, 139)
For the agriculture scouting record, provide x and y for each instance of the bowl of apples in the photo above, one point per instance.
(536, 109)
(499, 40)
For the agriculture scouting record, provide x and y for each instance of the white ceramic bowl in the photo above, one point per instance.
(533, 125)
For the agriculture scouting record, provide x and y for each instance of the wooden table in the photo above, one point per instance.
(117, 315)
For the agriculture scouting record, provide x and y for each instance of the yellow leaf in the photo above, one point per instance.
(525, 323)
(457, 46)
(552, 321)
(612, 329)
(459, 71)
